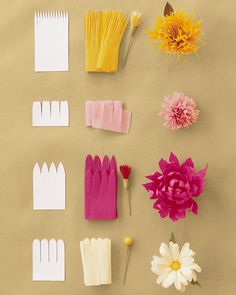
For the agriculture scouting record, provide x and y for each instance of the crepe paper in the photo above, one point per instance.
(49, 187)
(48, 260)
(107, 115)
(103, 34)
(179, 111)
(50, 113)
(128, 241)
(51, 41)
(175, 266)
(96, 261)
(175, 187)
(125, 171)
(135, 21)
(177, 33)
(100, 188)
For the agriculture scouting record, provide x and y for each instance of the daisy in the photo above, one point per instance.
(175, 266)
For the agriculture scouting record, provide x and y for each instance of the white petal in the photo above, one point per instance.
(169, 280)
(185, 251)
(155, 269)
(187, 261)
(194, 276)
(177, 283)
(186, 271)
(164, 273)
(163, 260)
(196, 267)
(164, 250)
(174, 248)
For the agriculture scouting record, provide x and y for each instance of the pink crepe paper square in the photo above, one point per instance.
(107, 115)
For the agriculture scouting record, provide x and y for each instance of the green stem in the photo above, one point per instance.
(131, 38)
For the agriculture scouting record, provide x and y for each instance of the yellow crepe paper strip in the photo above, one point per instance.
(103, 34)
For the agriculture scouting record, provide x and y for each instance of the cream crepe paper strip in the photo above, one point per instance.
(96, 261)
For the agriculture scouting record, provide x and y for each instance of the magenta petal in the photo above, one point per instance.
(194, 207)
(188, 162)
(163, 165)
(173, 158)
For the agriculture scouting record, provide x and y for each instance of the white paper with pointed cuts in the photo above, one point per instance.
(49, 187)
(50, 113)
(51, 41)
(48, 260)
(96, 261)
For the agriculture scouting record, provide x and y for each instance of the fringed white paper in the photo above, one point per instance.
(96, 261)
(51, 41)
(49, 187)
(54, 113)
(48, 260)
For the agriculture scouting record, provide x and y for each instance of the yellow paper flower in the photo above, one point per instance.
(177, 33)
(135, 19)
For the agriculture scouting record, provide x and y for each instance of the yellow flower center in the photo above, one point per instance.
(175, 265)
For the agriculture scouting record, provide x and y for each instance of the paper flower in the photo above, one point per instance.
(179, 111)
(135, 21)
(176, 33)
(175, 187)
(175, 266)
(125, 171)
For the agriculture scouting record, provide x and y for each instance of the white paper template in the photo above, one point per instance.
(50, 113)
(51, 41)
(49, 187)
(96, 261)
(48, 260)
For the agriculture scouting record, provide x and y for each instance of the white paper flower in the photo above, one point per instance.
(175, 266)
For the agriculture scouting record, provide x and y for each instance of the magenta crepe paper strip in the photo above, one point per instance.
(100, 188)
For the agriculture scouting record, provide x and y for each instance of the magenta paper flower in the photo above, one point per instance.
(179, 111)
(175, 187)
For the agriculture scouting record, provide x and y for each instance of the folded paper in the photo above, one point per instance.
(103, 34)
(107, 115)
(100, 188)
(96, 261)
(48, 260)
(51, 41)
(54, 113)
(49, 187)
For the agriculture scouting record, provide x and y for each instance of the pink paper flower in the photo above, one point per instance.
(179, 111)
(175, 187)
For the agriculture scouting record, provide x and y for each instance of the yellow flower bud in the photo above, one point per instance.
(128, 241)
(135, 19)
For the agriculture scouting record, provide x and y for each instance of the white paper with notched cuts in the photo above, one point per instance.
(50, 113)
(48, 260)
(49, 187)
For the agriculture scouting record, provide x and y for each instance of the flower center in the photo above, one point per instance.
(175, 265)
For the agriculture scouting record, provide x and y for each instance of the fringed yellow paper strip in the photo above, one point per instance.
(103, 34)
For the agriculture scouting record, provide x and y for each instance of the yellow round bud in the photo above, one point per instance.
(128, 241)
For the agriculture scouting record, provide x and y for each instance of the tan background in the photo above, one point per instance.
(142, 86)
